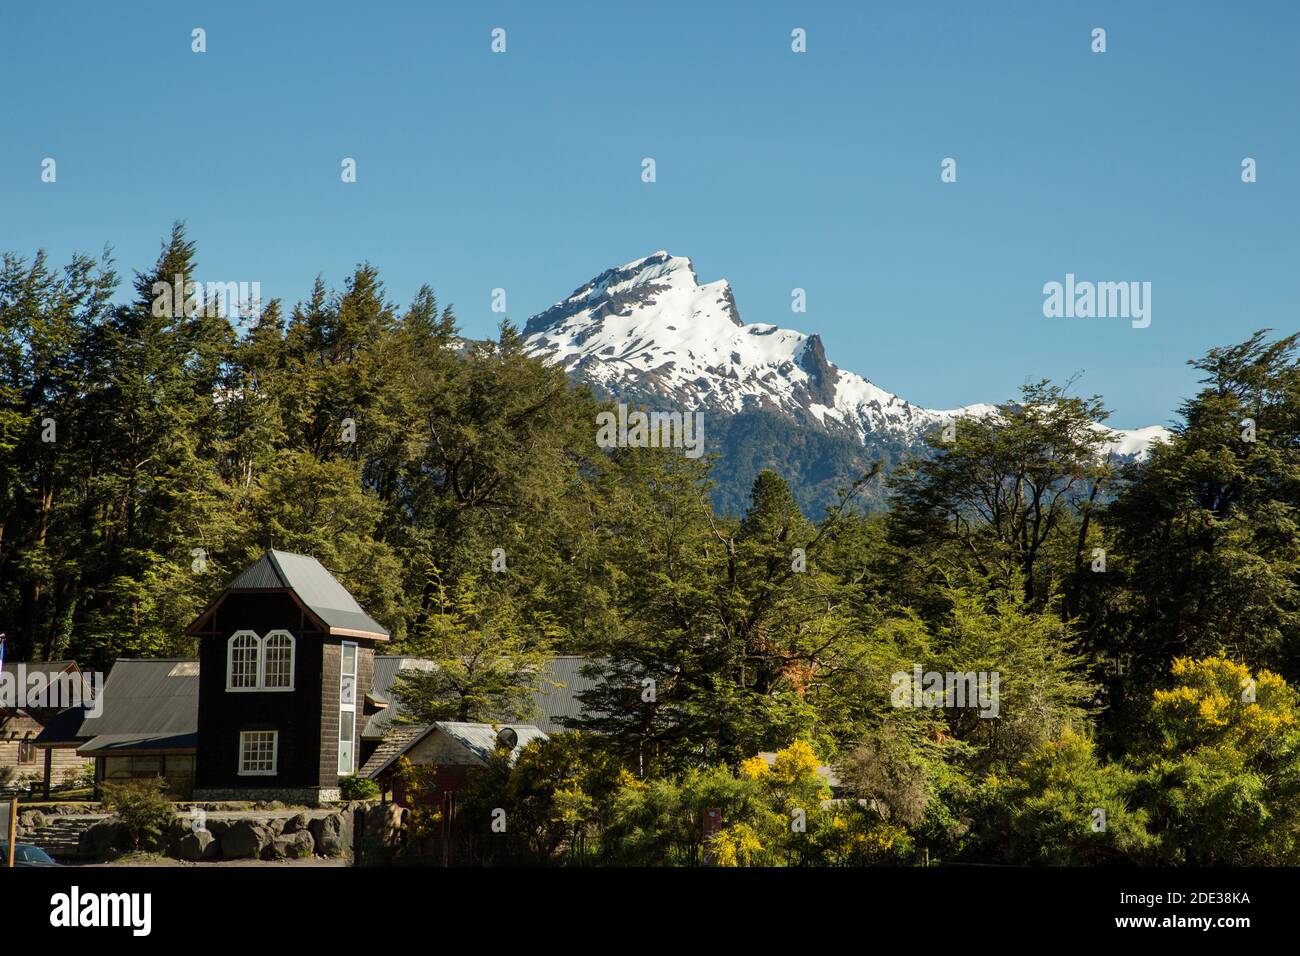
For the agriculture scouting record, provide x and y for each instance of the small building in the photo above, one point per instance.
(381, 706)
(21, 759)
(286, 660)
(286, 697)
(453, 748)
(146, 725)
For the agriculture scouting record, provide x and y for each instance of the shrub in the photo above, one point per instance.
(358, 788)
(143, 807)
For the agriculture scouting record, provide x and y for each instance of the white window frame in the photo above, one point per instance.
(348, 708)
(263, 657)
(230, 662)
(275, 753)
(259, 685)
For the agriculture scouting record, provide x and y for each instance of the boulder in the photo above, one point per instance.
(31, 819)
(381, 832)
(296, 823)
(198, 845)
(294, 846)
(157, 842)
(332, 834)
(103, 838)
(245, 840)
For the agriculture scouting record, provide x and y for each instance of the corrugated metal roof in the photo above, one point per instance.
(556, 700)
(48, 668)
(51, 671)
(142, 698)
(319, 590)
(481, 739)
(386, 669)
(478, 739)
(559, 700)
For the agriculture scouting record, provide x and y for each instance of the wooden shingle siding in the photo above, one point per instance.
(295, 714)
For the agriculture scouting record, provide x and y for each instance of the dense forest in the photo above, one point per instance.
(1142, 621)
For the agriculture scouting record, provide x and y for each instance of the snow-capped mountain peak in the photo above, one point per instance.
(649, 328)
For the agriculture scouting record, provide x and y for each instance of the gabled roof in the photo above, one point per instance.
(146, 705)
(396, 743)
(479, 739)
(318, 591)
(50, 670)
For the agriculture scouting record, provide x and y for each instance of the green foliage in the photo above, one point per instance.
(353, 787)
(1224, 779)
(1062, 807)
(553, 797)
(456, 489)
(1207, 533)
(487, 662)
(144, 807)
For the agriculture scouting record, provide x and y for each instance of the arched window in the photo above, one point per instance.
(277, 661)
(243, 660)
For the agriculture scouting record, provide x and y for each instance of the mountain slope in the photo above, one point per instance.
(648, 333)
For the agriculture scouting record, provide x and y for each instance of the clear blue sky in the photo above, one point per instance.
(775, 170)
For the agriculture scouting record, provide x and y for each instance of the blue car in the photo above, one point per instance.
(25, 855)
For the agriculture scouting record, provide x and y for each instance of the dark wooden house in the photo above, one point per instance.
(286, 660)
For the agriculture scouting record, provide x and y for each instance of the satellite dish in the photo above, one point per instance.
(508, 738)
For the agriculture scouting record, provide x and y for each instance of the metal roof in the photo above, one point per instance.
(552, 704)
(318, 590)
(559, 700)
(386, 668)
(145, 699)
(315, 587)
(50, 670)
(479, 739)
(61, 729)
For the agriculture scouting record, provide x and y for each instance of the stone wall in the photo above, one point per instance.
(239, 835)
(293, 796)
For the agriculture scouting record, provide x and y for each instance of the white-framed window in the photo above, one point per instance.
(257, 752)
(260, 663)
(347, 707)
(242, 656)
(277, 661)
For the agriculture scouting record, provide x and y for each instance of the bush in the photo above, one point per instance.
(358, 788)
(143, 807)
